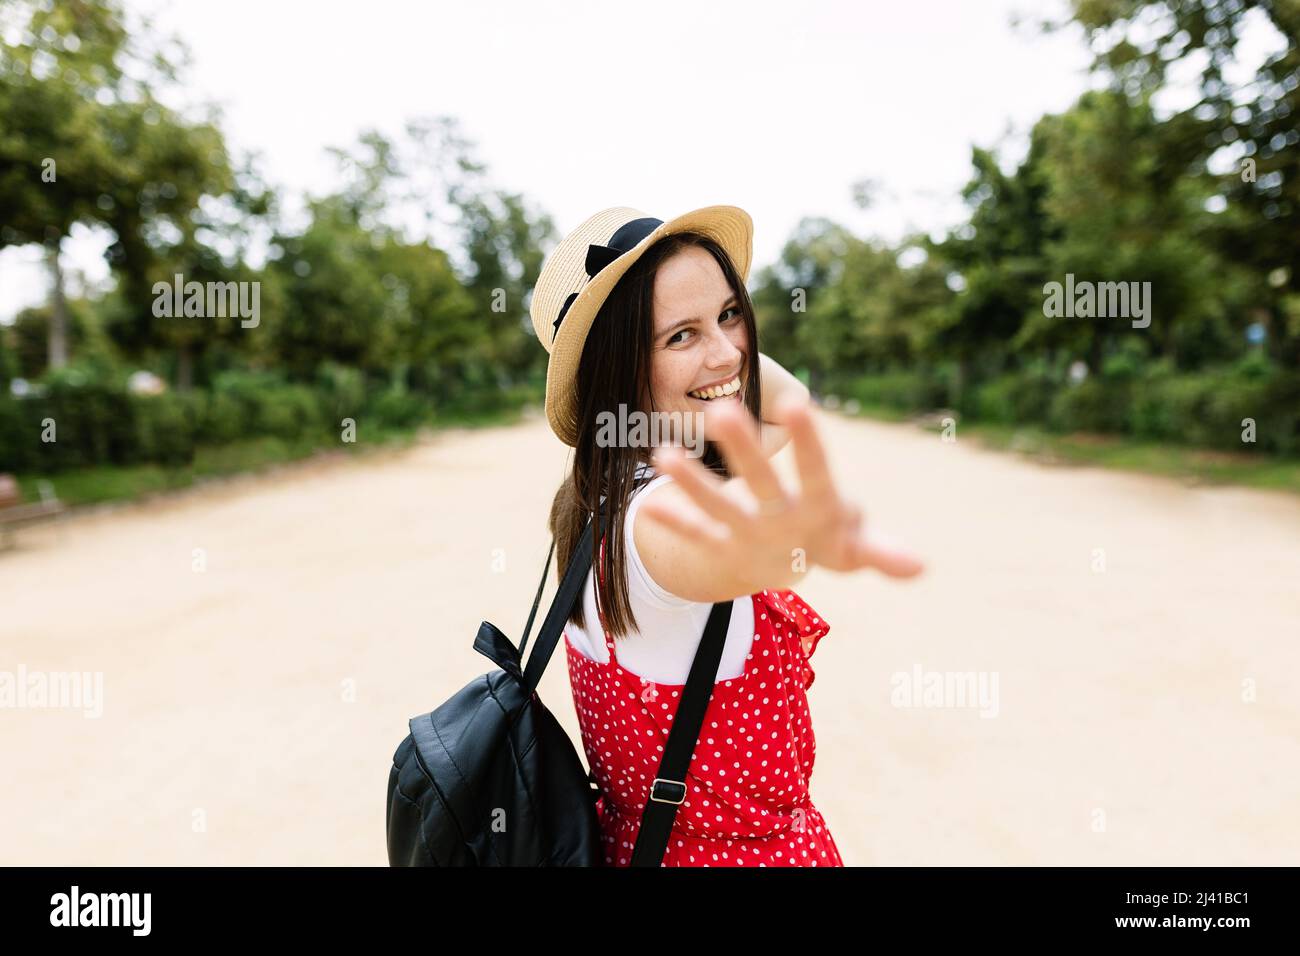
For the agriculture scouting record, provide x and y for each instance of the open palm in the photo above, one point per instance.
(756, 519)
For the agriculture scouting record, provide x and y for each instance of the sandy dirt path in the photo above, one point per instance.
(1147, 706)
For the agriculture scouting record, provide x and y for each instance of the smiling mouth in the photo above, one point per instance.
(729, 390)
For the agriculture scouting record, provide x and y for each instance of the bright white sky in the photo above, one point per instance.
(775, 107)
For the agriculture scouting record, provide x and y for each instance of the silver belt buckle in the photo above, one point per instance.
(674, 783)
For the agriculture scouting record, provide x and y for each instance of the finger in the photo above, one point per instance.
(700, 485)
(692, 529)
(736, 434)
(815, 480)
(888, 558)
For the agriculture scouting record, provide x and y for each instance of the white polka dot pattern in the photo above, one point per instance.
(747, 798)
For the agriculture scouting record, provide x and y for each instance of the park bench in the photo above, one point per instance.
(14, 513)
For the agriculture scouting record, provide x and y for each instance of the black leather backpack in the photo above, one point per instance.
(490, 778)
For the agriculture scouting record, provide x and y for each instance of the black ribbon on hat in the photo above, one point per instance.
(624, 239)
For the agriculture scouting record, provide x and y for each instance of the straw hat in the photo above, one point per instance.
(582, 270)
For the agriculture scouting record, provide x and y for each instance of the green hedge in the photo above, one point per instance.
(167, 427)
(1204, 409)
(1208, 409)
(903, 390)
(1010, 399)
(97, 422)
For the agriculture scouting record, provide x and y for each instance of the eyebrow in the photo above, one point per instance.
(731, 300)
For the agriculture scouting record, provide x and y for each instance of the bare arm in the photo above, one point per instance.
(777, 384)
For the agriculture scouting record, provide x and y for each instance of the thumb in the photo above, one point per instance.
(886, 555)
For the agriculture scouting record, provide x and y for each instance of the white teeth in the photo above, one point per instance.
(718, 391)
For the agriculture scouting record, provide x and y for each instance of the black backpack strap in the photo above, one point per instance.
(669, 787)
(581, 556)
(575, 576)
(541, 585)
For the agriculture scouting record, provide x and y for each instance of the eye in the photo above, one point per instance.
(738, 314)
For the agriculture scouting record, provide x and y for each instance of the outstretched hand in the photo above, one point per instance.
(757, 517)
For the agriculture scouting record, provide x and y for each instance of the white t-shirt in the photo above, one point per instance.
(663, 647)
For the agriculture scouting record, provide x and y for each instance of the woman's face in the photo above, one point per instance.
(699, 334)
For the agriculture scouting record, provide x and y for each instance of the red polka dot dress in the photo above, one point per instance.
(747, 799)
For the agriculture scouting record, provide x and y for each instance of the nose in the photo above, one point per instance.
(722, 352)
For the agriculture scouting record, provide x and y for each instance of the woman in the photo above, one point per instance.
(654, 317)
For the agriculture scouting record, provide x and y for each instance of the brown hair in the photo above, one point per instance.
(615, 369)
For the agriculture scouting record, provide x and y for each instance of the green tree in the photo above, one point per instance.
(785, 292)
(1128, 193)
(409, 197)
(996, 264)
(54, 154)
(85, 140)
(1139, 44)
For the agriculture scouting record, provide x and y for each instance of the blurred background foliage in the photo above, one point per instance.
(363, 315)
